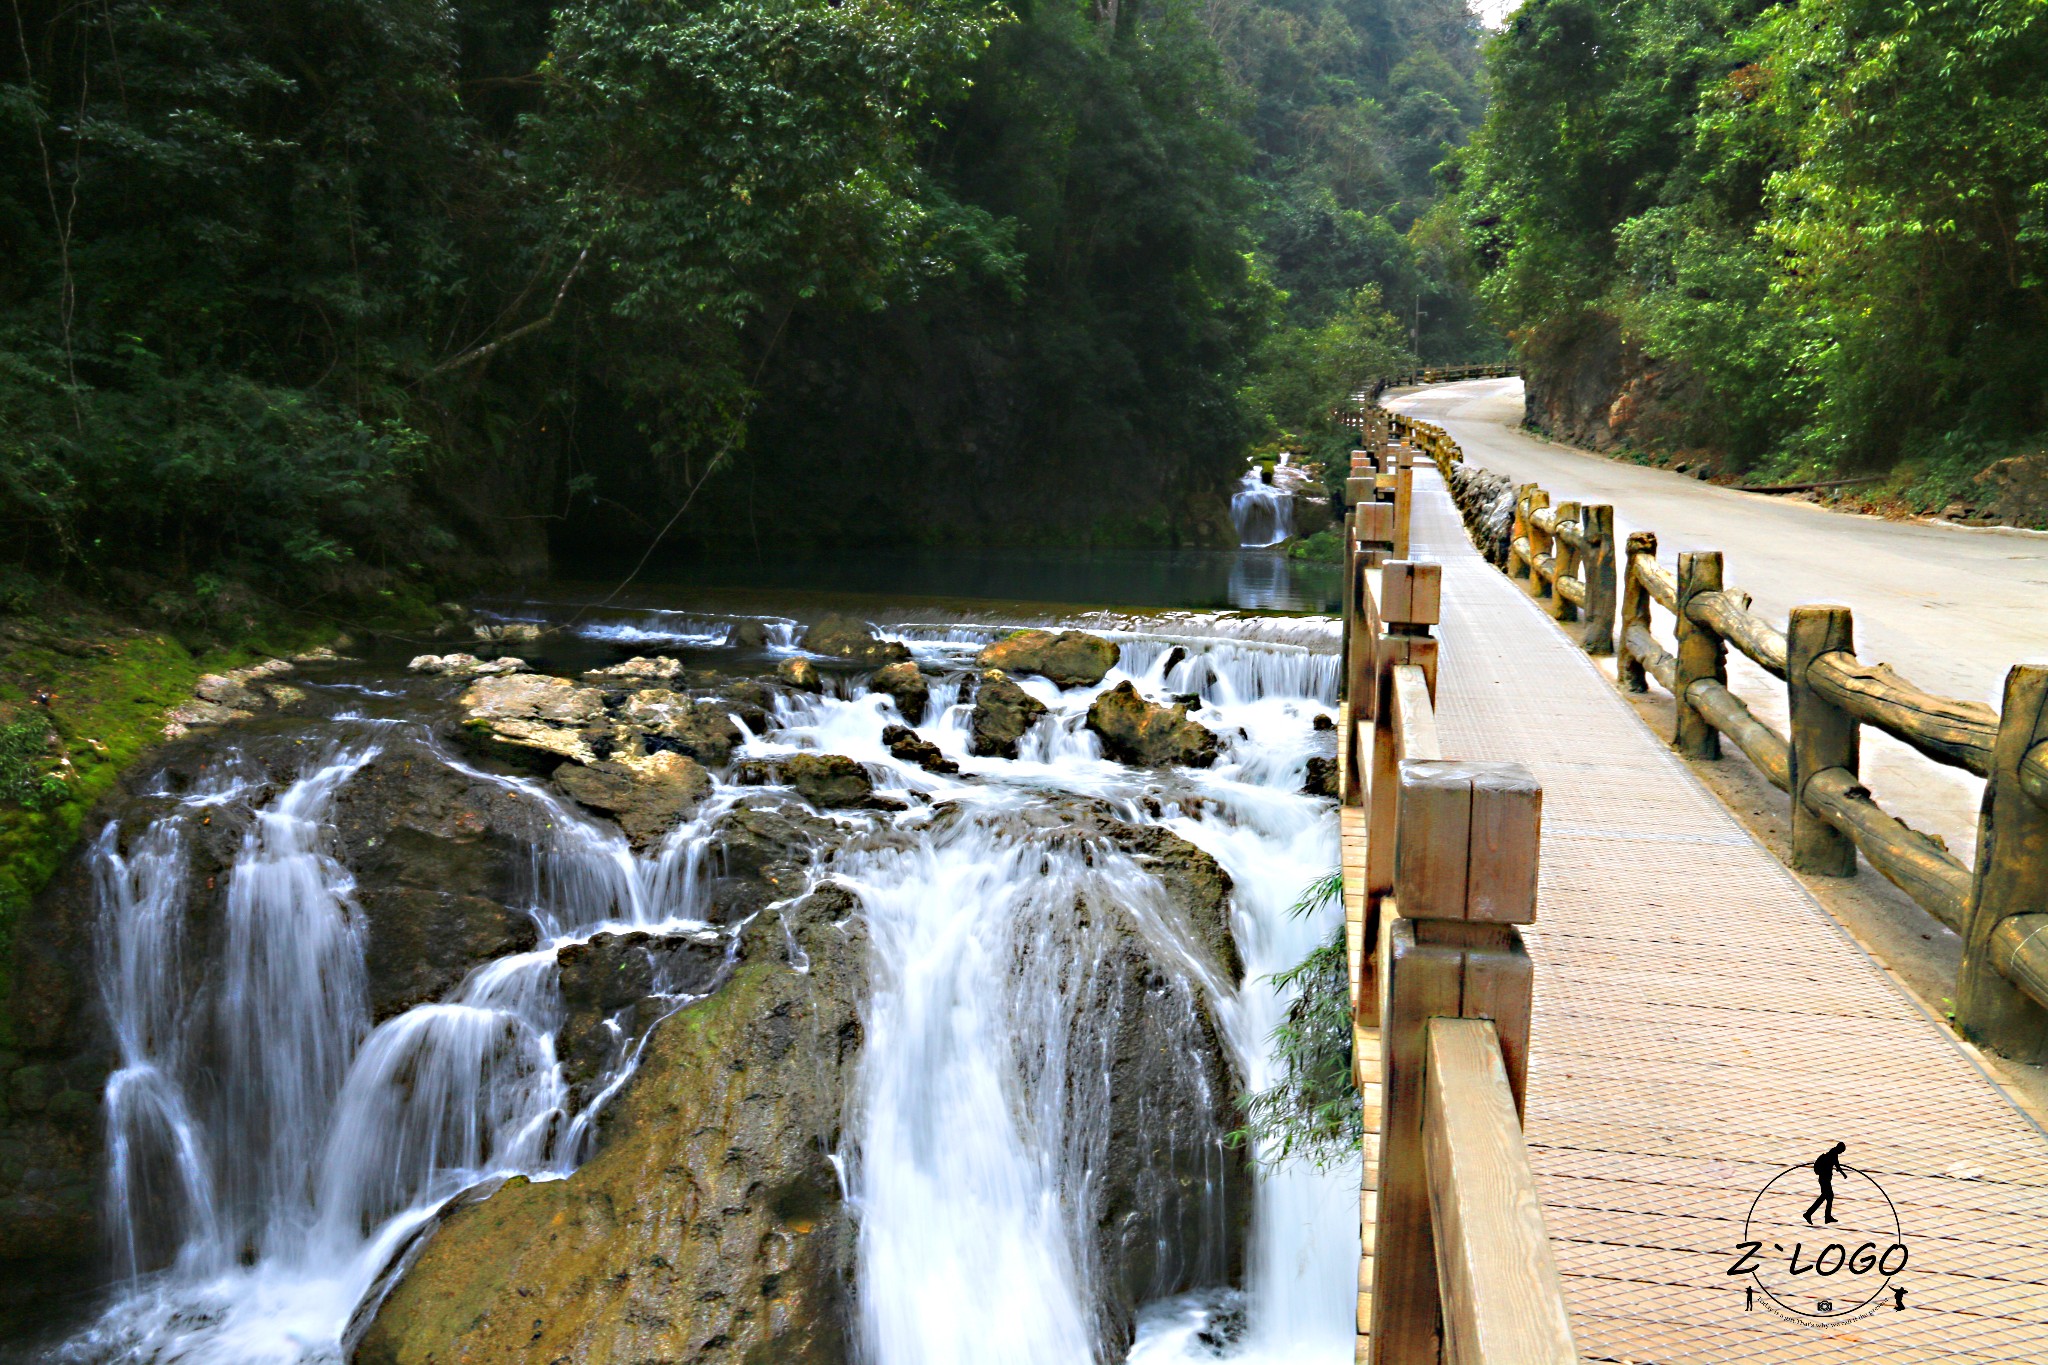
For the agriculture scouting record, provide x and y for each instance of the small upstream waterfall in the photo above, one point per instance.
(1262, 513)
(268, 1150)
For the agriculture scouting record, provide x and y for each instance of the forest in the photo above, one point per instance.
(351, 303)
(1798, 239)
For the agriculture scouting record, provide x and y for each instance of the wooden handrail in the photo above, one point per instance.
(2002, 988)
(1958, 733)
(1503, 1302)
(1449, 872)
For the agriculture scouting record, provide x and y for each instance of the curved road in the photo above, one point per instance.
(1950, 608)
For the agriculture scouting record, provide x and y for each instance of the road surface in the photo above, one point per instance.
(1950, 608)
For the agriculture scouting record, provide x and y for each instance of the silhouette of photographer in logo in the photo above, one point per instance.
(1845, 1277)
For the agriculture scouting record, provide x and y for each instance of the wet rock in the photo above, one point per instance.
(750, 701)
(1003, 714)
(750, 635)
(800, 674)
(1195, 882)
(659, 668)
(1070, 658)
(647, 795)
(440, 860)
(284, 696)
(850, 638)
(760, 850)
(1321, 779)
(1324, 721)
(323, 654)
(905, 685)
(1143, 733)
(828, 781)
(670, 720)
(464, 666)
(538, 713)
(510, 632)
(218, 698)
(613, 986)
(708, 1227)
(909, 747)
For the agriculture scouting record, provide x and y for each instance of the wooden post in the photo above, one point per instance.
(1598, 568)
(2011, 877)
(1700, 655)
(1411, 598)
(1635, 606)
(1465, 848)
(1567, 563)
(1823, 736)
(1539, 543)
(1404, 500)
(1518, 530)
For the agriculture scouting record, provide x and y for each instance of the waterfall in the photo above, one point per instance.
(1262, 513)
(268, 1150)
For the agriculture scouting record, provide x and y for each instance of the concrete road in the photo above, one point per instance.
(1950, 608)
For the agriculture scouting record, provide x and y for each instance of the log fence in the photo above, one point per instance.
(1457, 1265)
(1564, 556)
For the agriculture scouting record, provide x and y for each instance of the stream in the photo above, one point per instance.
(272, 1143)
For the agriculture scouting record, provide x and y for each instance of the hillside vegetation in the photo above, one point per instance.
(326, 304)
(1800, 238)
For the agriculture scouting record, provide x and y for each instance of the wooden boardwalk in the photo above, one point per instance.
(1701, 1025)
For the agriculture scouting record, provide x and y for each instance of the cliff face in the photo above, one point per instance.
(709, 1227)
(1597, 391)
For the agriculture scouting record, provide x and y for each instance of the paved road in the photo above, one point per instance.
(1951, 609)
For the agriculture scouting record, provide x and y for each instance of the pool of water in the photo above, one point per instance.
(1247, 580)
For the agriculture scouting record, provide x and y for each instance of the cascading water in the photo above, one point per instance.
(1262, 512)
(254, 1211)
(255, 1215)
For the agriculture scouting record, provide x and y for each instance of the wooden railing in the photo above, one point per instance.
(1457, 1264)
(1447, 374)
(1564, 555)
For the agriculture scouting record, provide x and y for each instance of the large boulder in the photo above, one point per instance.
(1148, 735)
(708, 1227)
(660, 719)
(848, 637)
(1003, 714)
(441, 859)
(903, 684)
(539, 714)
(1197, 885)
(1071, 658)
(648, 795)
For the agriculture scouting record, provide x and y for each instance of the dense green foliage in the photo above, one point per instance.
(1825, 223)
(319, 303)
(1312, 1112)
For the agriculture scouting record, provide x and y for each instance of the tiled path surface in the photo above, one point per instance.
(1701, 1024)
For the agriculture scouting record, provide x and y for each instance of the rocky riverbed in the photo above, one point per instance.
(627, 955)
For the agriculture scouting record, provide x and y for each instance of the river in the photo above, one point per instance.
(272, 1143)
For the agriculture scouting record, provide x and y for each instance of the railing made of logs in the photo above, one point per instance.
(1565, 556)
(1458, 1265)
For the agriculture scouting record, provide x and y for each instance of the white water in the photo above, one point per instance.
(1262, 513)
(974, 1227)
(253, 1217)
(255, 1222)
